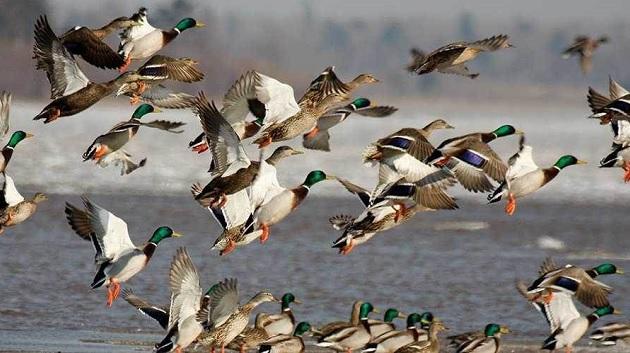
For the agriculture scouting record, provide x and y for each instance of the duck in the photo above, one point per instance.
(117, 258)
(490, 342)
(278, 202)
(72, 92)
(584, 47)
(390, 341)
(187, 311)
(332, 326)
(612, 108)
(148, 86)
(156, 312)
(472, 160)
(451, 58)
(324, 93)
(287, 343)
(16, 137)
(143, 41)
(282, 323)
(349, 337)
(619, 155)
(611, 333)
(572, 280)
(576, 329)
(251, 337)
(119, 135)
(226, 318)
(524, 177)
(318, 139)
(378, 327)
(14, 209)
(88, 43)
(432, 345)
(384, 211)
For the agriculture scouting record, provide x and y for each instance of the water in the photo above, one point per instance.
(459, 264)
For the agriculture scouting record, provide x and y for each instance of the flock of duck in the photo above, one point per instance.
(246, 198)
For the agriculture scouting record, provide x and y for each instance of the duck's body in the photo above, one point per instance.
(282, 323)
(285, 343)
(489, 342)
(117, 258)
(332, 326)
(432, 345)
(390, 341)
(612, 333)
(250, 338)
(574, 330)
(451, 58)
(349, 337)
(14, 209)
(584, 47)
(524, 177)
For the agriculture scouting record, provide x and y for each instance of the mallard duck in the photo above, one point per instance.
(14, 209)
(226, 318)
(88, 43)
(524, 177)
(187, 312)
(451, 58)
(383, 211)
(325, 92)
(417, 59)
(250, 338)
(612, 108)
(390, 341)
(278, 202)
(378, 327)
(332, 326)
(119, 135)
(584, 47)
(432, 345)
(574, 330)
(140, 42)
(282, 323)
(156, 312)
(349, 337)
(287, 343)
(148, 85)
(117, 258)
(574, 281)
(489, 343)
(471, 159)
(609, 334)
(16, 137)
(620, 154)
(317, 139)
(71, 90)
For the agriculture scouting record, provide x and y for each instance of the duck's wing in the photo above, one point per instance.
(265, 186)
(561, 309)
(185, 289)
(134, 33)
(341, 222)
(5, 107)
(109, 233)
(493, 166)
(9, 195)
(61, 68)
(122, 159)
(364, 195)
(236, 211)
(622, 135)
(493, 43)
(417, 58)
(591, 292)
(376, 111)
(223, 301)
(162, 97)
(615, 89)
(410, 141)
(162, 67)
(325, 84)
(576, 47)
(521, 162)
(165, 125)
(155, 312)
(548, 266)
(83, 42)
(596, 100)
(228, 153)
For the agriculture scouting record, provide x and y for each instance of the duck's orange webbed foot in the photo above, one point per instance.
(311, 134)
(229, 247)
(348, 248)
(265, 233)
(399, 211)
(125, 65)
(626, 168)
(510, 207)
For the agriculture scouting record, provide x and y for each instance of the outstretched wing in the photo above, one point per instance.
(82, 41)
(521, 163)
(161, 67)
(223, 301)
(185, 289)
(162, 97)
(9, 196)
(491, 44)
(165, 125)
(5, 107)
(155, 312)
(61, 68)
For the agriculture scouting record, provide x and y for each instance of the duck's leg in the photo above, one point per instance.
(212, 349)
(113, 290)
(442, 162)
(626, 168)
(399, 211)
(200, 148)
(220, 202)
(510, 207)
(348, 248)
(178, 349)
(548, 297)
(311, 134)
(135, 99)
(266, 141)
(265, 233)
(229, 248)
(242, 350)
(125, 65)
(222, 348)
(568, 349)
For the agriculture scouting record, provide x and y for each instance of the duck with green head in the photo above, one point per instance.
(286, 343)
(472, 160)
(7, 151)
(283, 322)
(487, 341)
(431, 345)
(280, 202)
(108, 147)
(378, 327)
(141, 42)
(524, 177)
(117, 258)
(350, 337)
(318, 138)
(389, 342)
(575, 329)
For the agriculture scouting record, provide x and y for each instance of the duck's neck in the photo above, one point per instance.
(550, 173)
(168, 36)
(289, 313)
(488, 137)
(105, 30)
(149, 250)
(364, 322)
(251, 305)
(592, 318)
(414, 332)
(274, 159)
(299, 193)
(7, 153)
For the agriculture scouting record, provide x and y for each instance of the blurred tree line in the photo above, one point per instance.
(296, 48)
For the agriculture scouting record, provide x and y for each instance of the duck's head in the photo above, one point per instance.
(287, 299)
(426, 319)
(505, 130)
(302, 328)
(566, 161)
(606, 310)
(39, 197)
(607, 269)
(187, 23)
(391, 314)
(366, 309)
(143, 110)
(315, 177)
(263, 297)
(360, 103)
(18, 137)
(413, 319)
(283, 152)
(363, 79)
(162, 233)
(492, 330)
